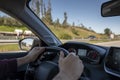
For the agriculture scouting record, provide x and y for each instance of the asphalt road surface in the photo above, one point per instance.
(113, 43)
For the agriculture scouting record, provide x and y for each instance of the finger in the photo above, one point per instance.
(70, 59)
(39, 49)
(70, 56)
(42, 49)
(79, 61)
(73, 53)
(61, 56)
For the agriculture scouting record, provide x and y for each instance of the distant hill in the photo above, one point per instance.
(74, 33)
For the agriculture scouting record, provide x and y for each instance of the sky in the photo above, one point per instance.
(86, 12)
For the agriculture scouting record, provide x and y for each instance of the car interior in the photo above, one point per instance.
(100, 62)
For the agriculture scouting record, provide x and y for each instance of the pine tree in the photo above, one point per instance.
(37, 8)
(42, 8)
(73, 25)
(65, 19)
(48, 15)
(57, 23)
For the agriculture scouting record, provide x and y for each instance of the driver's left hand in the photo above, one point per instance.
(31, 56)
(34, 53)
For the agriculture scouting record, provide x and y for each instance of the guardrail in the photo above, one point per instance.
(76, 40)
(9, 41)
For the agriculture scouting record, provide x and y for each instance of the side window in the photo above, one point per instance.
(11, 31)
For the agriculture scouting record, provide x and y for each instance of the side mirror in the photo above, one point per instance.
(27, 44)
(110, 8)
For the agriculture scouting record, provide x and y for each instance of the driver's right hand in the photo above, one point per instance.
(71, 66)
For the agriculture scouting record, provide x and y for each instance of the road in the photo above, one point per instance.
(6, 42)
(112, 43)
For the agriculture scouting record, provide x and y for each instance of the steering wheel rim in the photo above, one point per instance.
(52, 69)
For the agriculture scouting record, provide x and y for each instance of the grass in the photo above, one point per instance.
(73, 32)
(102, 40)
(98, 41)
(11, 28)
(9, 47)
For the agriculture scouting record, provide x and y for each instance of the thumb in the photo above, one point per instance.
(42, 49)
(61, 56)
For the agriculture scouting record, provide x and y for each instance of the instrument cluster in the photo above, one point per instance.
(87, 55)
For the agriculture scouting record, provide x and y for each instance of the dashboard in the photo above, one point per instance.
(100, 63)
(88, 53)
(105, 61)
(91, 56)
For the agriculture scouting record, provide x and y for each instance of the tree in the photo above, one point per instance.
(73, 25)
(48, 15)
(38, 8)
(42, 7)
(107, 31)
(65, 19)
(82, 26)
(90, 28)
(57, 23)
(1, 20)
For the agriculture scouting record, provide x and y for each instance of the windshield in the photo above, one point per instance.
(78, 20)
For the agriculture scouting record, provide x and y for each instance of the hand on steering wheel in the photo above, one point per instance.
(35, 53)
(70, 67)
(31, 56)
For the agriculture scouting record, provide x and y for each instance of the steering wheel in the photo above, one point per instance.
(46, 70)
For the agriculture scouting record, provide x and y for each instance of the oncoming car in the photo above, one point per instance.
(50, 21)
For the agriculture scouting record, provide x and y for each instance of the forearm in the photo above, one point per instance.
(22, 61)
(31, 56)
(7, 67)
(62, 76)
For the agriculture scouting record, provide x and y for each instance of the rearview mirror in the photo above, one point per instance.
(110, 8)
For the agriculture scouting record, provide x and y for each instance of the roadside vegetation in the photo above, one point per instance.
(9, 47)
(11, 28)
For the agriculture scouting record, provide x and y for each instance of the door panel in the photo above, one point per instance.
(12, 55)
(21, 70)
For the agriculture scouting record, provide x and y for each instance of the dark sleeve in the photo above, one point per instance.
(7, 67)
